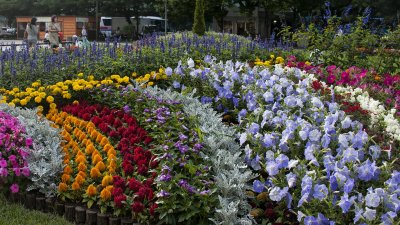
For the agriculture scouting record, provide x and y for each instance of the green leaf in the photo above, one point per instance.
(90, 203)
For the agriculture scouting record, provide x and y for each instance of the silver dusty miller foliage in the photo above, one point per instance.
(230, 173)
(46, 157)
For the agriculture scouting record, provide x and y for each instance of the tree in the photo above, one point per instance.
(199, 25)
(218, 9)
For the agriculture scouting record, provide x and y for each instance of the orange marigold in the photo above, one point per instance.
(89, 149)
(97, 158)
(67, 170)
(82, 167)
(91, 190)
(95, 173)
(75, 186)
(65, 178)
(104, 141)
(105, 194)
(62, 187)
(100, 165)
(79, 179)
(82, 174)
(80, 159)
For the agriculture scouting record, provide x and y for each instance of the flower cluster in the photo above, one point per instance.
(14, 150)
(90, 161)
(137, 161)
(272, 61)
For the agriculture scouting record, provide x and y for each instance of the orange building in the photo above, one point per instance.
(70, 25)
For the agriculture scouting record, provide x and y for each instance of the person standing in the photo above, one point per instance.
(32, 32)
(54, 28)
(84, 32)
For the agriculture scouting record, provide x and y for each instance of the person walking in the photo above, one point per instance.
(54, 28)
(31, 32)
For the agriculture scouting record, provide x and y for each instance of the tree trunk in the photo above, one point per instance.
(267, 22)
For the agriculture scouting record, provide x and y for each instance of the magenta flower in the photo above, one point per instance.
(26, 172)
(3, 163)
(28, 142)
(14, 188)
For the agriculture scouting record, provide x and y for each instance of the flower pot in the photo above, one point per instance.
(60, 209)
(14, 197)
(30, 201)
(49, 205)
(91, 217)
(126, 221)
(41, 203)
(114, 221)
(80, 215)
(22, 197)
(102, 219)
(70, 212)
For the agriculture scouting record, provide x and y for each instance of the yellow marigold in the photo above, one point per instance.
(40, 108)
(91, 190)
(23, 102)
(105, 194)
(80, 74)
(377, 78)
(75, 186)
(35, 84)
(98, 138)
(50, 99)
(107, 180)
(307, 63)
(97, 158)
(95, 173)
(53, 105)
(100, 165)
(125, 79)
(65, 178)
(82, 167)
(150, 83)
(11, 104)
(42, 94)
(38, 99)
(79, 179)
(67, 96)
(62, 187)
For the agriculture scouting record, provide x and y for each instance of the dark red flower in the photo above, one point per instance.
(118, 200)
(270, 213)
(114, 134)
(117, 123)
(104, 127)
(137, 207)
(153, 207)
(142, 170)
(86, 116)
(96, 120)
(127, 167)
(119, 182)
(117, 191)
(134, 185)
(147, 140)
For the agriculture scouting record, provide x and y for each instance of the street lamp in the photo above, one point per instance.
(165, 19)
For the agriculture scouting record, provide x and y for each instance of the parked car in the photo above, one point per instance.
(7, 32)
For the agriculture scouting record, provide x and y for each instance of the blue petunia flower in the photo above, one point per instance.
(258, 186)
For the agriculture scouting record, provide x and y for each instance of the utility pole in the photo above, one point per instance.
(97, 19)
(165, 15)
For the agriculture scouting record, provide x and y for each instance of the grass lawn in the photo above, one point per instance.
(15, 214)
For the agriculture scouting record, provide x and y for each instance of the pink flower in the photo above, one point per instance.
(28, 142)
(3, 163)
(3, 172)
(14, 188)
(331, 79)
(26, 172)
(17, 171)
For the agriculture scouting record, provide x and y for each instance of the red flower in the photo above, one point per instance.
(104, 128)
(137, 207)
(114, 134)
(147, 140)
(117, 191)
(153, 164)
(117, 123)
(119, 182)
(153, 207)
(86, 116)
(128, 168)
(96, 120)
(142, 170)
(118, 200)
(134, 185)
